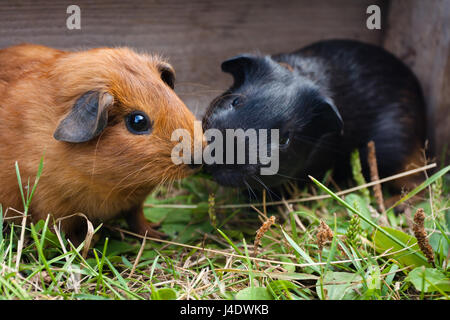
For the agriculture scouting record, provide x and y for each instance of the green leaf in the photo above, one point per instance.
(287, 267)
(339, 286)
(171, 215)
(405, 258)
(164, 294)
(116, 247)
(428, 280)
(254, 293)
(185, 232)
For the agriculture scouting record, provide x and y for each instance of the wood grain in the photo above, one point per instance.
(196, 35)
(419, 33)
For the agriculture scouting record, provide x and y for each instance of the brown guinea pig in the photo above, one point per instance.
(102, 119)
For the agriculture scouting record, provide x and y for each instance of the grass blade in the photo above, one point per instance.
(301, 252)
(422, 186)
(230, 242)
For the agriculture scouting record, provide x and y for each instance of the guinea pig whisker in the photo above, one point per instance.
(257, 179)
(166, 180)
(249, 188)
(119, 185)
(290, 178)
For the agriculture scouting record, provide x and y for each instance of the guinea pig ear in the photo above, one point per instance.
(87, 119)
(240, 67)
(328, 118)
(167, 74)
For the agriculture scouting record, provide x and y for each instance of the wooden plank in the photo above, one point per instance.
(196, 35)
(419, 33)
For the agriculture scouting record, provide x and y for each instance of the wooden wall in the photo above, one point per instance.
(419, 33)
(195, 35)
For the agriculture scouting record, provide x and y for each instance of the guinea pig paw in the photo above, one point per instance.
(149, 228)
(154, 225)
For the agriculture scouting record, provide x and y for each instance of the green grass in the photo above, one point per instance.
(210, 252)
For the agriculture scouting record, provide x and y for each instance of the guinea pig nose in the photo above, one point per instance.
(196, 158)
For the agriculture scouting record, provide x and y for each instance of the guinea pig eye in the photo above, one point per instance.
(235, 102)
(285, 140)
(138, 123)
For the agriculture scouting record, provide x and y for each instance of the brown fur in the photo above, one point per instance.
(102, 178)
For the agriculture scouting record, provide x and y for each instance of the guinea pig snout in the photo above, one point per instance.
(188, 144)
(229, 177)
(195, 166)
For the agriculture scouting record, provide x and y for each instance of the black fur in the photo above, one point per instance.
(376, 95)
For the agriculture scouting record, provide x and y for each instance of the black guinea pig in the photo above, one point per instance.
(326, 100)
